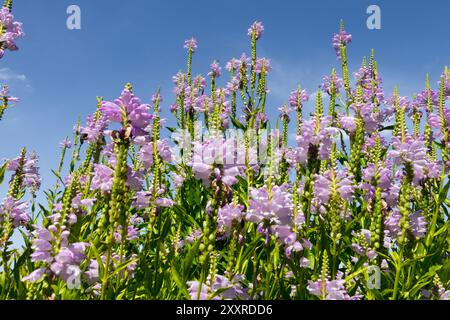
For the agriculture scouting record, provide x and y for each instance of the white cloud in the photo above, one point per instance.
(6, 74)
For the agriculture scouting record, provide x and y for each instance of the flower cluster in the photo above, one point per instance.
(10, 31)
(220, 205)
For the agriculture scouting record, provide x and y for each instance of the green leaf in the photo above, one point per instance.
(187, 263)
(237, 124)
(2, 171)
(180, 284)
(387, 128)
(121, 266)
(444, 192)
(101, 268)
(58, 176)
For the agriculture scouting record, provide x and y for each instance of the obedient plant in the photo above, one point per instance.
(224, 206)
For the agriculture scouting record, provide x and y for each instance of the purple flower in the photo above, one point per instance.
(323, 139)
(77, 202)
(384, 179)
(297, 98)
(284, 112)
(339, 39)
(135, 179)
(228, 215)
(345, 187)
(262, 66)
(228, 289)
(165, 152)
(329, 290)
(4, 95)
(128, 107)
(142, 199)
(190, 44)
(434, 121)
(260, 119)
(418, 224)
(199, 82)
(322, 185)
(444, 294)
(11, 31)
(68, 259)
(146, 155)
(256, 29)
(35, 276)
(95, 127)
(29, 170)
(216, 158)
(102, 179)
(157, 97)
(216, 70)
(422, 98)
(203, 103)
(412, 152)
(305, 263)
(202, 171)
(328, 81)
(193, 236)
(132, 234)
(16, 211)
(447, 84)
(322, 188)
(274, 209)
(165, 202)
(180, 81)
(65, 144)
(392, 224)
(31, 178)
(198, 291)
(234, 64)
(92, 275)
(348, 123)
(61, 258)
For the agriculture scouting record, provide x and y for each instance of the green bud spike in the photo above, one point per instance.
(399, 116)
(299, 113)
(372, 59)
(442, 119)
(324, 273)
(428, 88)
(189, 67)
(364, 62)
(8, 4)
(377, 149)
(332, 105)
(429, 109)
(129, 87)
(359, 99)
(16, 183)
(319, 110)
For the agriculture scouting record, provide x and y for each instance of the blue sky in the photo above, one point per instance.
(58, 72)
